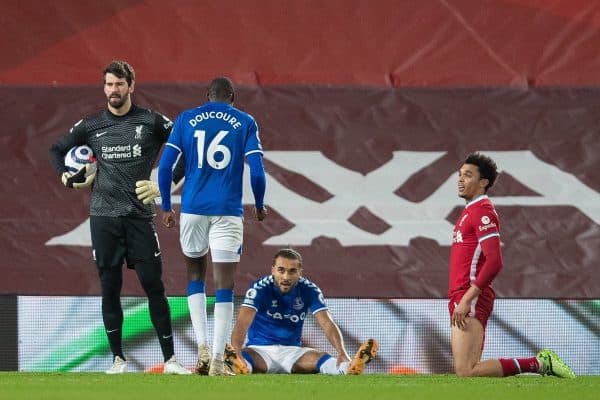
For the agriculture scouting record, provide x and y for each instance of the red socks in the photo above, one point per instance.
(514, 366)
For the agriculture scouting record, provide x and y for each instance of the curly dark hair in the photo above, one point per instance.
(487, 167)
(121, 69)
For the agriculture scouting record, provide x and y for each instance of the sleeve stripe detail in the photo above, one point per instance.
(319, 309)
(253, 151)
(481, 239)
(249, 306)
(173, 146)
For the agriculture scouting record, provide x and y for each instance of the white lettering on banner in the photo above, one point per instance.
(375, 191)
(351, 191)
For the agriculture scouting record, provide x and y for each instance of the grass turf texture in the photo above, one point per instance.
(133, 386)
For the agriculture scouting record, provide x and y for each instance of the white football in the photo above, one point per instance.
(78, 157)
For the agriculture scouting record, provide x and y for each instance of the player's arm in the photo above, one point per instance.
(333, 334)
(490, 248)
(244, 320)
(147, 190)
(179, 170)
(76, 136)
(162, 127)
(258, 182)
(165, 176)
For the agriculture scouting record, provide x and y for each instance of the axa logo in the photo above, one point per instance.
(375, 191)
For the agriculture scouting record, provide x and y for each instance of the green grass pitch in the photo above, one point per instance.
(133, 386)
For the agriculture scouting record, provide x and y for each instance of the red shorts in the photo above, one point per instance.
(481, 307)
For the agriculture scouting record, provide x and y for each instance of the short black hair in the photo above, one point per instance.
(487, 167)
(288, 253)
(121, 69)
(221, 89)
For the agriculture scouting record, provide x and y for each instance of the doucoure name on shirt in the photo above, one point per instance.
(215, 115)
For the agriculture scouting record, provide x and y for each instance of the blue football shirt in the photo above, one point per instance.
(280, 317)
(214, 140)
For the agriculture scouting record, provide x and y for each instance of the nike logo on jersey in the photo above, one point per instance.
(157, 254)
(166, 336)
(113, 330)
(100, 134)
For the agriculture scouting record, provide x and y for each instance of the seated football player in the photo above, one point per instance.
(272, 316)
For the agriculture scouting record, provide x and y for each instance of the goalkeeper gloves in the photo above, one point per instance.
(82, 179)
(147, 191)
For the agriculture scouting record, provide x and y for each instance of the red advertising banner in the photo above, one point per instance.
(385, 43)
(362, 181)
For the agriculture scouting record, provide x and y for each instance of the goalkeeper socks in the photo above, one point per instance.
(328, 365)
(160, 314)
(114, 341)
(149, 275)
(197, 305)
(515, 366)
(223, 321)
(111, 280)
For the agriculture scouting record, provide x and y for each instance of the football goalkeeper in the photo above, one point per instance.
(126, 140)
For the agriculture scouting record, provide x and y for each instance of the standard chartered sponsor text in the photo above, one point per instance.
(116, 152)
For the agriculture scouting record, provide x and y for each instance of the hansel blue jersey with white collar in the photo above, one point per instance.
(280, 317)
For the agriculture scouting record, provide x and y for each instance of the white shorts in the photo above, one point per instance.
(280, 359)
(222, 234)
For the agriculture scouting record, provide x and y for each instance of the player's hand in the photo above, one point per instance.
(82, 179)
(260, 213)
(146, 191)
(460, 314)
(169, 219)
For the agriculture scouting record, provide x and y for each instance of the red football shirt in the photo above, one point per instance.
(477, 222)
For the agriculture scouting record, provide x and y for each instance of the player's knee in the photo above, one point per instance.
(153, 287)
(149, 274)
(111, 281)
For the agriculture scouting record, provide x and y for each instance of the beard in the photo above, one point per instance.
(118, 101)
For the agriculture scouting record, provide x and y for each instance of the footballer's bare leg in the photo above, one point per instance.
(259, 365)
(223, 274)
(196, 268)
(307, 363)
(466, 351)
